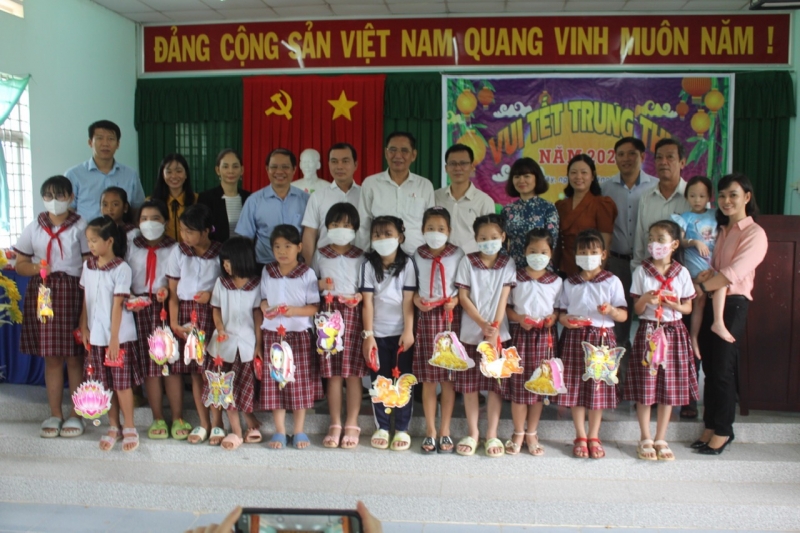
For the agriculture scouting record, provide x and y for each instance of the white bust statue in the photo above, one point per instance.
(309, 165)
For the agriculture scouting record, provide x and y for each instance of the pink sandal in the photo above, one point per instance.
(330, 441)
(109, 440)
(351, 441)
(131, 436)
(231, 442)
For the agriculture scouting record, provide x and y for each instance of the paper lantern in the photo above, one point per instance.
(466, 102)
(486, 97)
(696, 87)
(682, 109)
(714, 101)
(701, 122)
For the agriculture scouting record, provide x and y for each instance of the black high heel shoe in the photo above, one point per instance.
(708, 450)
(698, 444)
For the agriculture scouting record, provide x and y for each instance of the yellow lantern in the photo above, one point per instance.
(701, 122)
(714, 101)
(466, 102)
(696, 88)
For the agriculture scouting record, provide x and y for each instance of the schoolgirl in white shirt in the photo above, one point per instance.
(108, 327)
(192, 271)
(337, 266)
(114, 203)
(54, 244)
(289, 300)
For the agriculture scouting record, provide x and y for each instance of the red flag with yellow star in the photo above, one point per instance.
(300, 112)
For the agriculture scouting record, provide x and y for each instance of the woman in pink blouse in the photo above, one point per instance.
(741, 247)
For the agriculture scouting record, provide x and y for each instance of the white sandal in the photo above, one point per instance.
(645, 450)
(512, 448)
(536, 450)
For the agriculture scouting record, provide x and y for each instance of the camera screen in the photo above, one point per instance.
(299, 523)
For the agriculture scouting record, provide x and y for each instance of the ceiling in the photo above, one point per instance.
(156, 11)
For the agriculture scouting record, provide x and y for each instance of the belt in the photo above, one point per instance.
(624, 257)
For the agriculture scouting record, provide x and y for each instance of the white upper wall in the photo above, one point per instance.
(82, 62)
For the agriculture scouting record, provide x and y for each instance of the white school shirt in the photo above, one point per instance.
(320, 203)
(581, 298)
(100, 286)
(194, 273)
(344, 270)
(536, 298)
(484, 285)
(297, 289)
(34, 240)
(236, 306)
(463, 212)
(136, 257)
(131, 232)
(646, 278)
(381, 196)
(387, 299)
(450, 258)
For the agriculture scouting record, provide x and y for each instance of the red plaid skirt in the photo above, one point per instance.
(590, 394)
(146, 321)
(205, 322)
(243, 384)
(306, 388)
(428, 325)
(55, 338)
(351, 361)
(532, 348)
(473, 380)
(675, 385)
(114, 378)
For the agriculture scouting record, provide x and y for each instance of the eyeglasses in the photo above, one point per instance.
(393, 150)
(458, 164)
(275, 168)
(60, 197)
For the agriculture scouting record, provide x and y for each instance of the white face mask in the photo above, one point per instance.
(56, 207)
(588, 262)
(435, 239)
(341, 236)
(151, 229)
(490, 247)
(537, 261)
(385, 247)
(659, 250)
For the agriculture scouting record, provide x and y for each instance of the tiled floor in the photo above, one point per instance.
(40, 518)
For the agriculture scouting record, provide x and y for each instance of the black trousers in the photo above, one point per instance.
(721, 365)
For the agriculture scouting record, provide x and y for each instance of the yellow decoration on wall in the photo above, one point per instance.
(342, 106)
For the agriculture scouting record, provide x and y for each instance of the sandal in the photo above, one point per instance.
(512, 448)
(645, 450)
(330, 441)
(158, 425)
(109, 440)
(51, 428)
(688, 413)
(131, 436)
(597, 451)
(380, 435)
(299, 439)
(446, 441)
(217, 434)
(253, 436)
(467, 442)
(231, 442)
(494, 443)
(579, 448)
(401, 441)
(73, 423)
(277, 438)
(180, 429)
(198, 435)
(429, 445)
(662, 451)
(350, 441)
(537, 449)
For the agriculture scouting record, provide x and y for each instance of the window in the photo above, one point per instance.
(15, 134)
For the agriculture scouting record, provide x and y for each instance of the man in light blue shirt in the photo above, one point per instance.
(276, 204)
(92, 177)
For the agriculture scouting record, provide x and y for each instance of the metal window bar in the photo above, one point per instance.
(15, 140)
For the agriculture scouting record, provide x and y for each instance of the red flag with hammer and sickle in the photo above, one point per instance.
(300, 112)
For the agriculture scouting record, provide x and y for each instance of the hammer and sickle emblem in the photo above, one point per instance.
(283, 105)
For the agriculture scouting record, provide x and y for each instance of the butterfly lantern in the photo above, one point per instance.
(91, 399)
(163, 346)
(44, 302)
(330, 330)
(601, 362)
(195, 343)
(448, 352)
(498, 362)
(281, 360)
(548, 378)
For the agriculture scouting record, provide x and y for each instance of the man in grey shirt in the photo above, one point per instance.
(625, 188)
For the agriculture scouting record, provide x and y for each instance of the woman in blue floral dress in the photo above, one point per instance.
(526, 181)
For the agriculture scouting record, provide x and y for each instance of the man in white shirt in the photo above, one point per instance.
(461, 198)
(626, 188)
(397, 192)
(663, 200)
(342, 162)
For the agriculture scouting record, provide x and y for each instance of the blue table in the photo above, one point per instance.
(18, 368)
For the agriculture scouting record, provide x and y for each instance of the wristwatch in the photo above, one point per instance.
(366, 334)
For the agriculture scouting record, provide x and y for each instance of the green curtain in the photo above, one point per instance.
(11, 90)
(764, 103)
(196, 117)
(413, 103)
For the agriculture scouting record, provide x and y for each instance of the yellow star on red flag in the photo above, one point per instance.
(342, 106)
